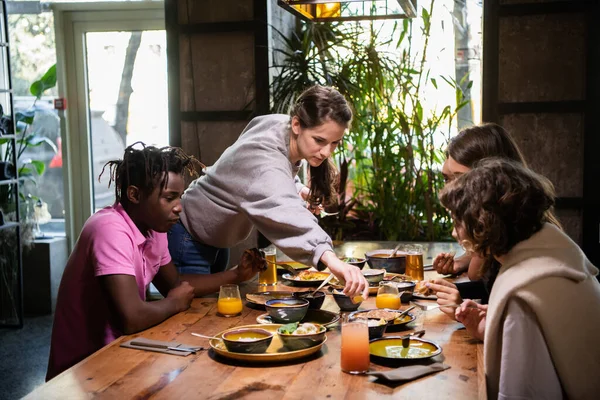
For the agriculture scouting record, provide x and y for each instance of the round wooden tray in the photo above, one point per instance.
(276, 352)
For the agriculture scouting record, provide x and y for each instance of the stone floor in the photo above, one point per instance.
(24, 356)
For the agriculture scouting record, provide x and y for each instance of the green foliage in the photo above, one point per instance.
(32, 49)
(389, 155)
(27, 137)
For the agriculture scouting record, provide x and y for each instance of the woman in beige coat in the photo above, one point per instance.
(543, 318)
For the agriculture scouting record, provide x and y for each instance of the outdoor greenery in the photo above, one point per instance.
(27, 138)
(390, 159)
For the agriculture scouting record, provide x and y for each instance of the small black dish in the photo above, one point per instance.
(315, 302)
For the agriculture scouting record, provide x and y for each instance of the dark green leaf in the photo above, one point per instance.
(39, 166)
(37, 88)
(46, 82)
(25, 116)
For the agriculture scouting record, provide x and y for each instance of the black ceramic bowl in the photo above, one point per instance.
(286, 311)
(376, 331)
(247, 340)
(357, 262)
(405, 286)
(314, 302)
(344, 302)
(299, 342)
(378, 259)
(374, 276)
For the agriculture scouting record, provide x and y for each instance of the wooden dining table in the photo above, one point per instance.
(115, 372)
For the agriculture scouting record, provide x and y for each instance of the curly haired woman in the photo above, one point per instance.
(543, 315)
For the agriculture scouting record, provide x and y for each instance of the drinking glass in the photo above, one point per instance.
(387, 296)
(355, 346)
(414, 262)
(269, 275)
(230, 301)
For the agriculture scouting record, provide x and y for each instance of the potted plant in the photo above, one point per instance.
(28, 169)
(389, 157)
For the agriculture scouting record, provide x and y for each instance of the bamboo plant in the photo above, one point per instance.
(388, 157)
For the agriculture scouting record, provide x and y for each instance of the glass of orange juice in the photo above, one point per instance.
(355, 357)
(230, 301)
(387, 296)
(269, 275)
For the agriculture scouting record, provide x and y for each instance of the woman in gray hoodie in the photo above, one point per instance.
(254, 184)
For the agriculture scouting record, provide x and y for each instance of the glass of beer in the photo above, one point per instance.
(355, 346)
(387, 296)
(414, 263)
(230, 301)
(269, 275)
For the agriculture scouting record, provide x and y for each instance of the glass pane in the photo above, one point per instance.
(32, 56)
(127, 83)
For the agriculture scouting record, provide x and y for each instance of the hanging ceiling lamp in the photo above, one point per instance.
(349, 10)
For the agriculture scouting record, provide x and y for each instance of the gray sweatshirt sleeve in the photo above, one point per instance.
(298, 183)
(272, 203)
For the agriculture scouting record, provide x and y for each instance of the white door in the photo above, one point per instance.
(112, 67)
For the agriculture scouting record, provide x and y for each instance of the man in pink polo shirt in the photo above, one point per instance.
(121, 250)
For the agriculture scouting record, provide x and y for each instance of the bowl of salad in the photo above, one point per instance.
(357, 262)
(298, 336)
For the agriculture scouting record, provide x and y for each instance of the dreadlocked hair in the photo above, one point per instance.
(148, 168)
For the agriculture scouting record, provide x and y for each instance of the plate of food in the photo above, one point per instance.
(277, 351)
(260, 298)
(321, 317)
(423, 292)
(390, 276)
(307, 278)
(389, 315)
(392, 349)
(294, 264)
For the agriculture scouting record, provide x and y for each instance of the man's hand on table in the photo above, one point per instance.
(251, 263)
(181, 296)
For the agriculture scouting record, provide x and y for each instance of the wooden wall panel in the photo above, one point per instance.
(571, 221)
(223, 71)
(210, 135)
(553, 146)
(542, 58)
(539, 81)
(200, 11)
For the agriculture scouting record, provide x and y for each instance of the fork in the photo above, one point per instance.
(323, 214)
(287, 267)
(429, 307)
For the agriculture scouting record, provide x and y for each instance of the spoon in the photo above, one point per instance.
(395, 250)
(206, 337)
(330, 277)
(403, 313)
(406, 338)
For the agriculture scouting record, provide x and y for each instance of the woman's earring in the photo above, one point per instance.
(467, 245)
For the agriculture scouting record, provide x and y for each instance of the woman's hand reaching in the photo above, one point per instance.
(355, 282)
(446, 293)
